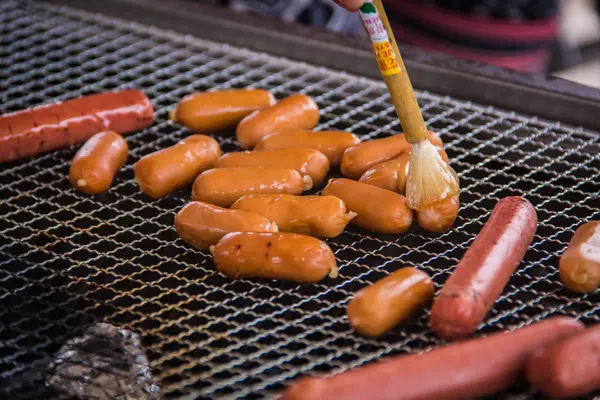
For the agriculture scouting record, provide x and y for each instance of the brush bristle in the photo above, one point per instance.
(430, 179)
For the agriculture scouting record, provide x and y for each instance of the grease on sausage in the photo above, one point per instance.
(579, 265)
(439, 216)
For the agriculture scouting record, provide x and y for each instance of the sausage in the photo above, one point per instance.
(167, 170)
(321, 216)
(483, 272)
(356, 160)
(377, 308)
(285, 256)
(206, 112)
(464, 370)
(391, 175)
(295, 112)
(224, 186)
(439, 216)
(96, 163)
(331, 143)
(579, 265)
(379, 210)
(306, 161)
(568, 368)
(53, 126)
(202, 225)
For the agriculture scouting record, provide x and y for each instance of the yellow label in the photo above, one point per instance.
(386, 58)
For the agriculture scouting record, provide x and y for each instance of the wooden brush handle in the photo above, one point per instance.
(397, 80)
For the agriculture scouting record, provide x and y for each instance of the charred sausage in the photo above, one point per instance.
(167, 170)
(49, 127)
(206, 112)
(286, 256)
(224, 186)
(579, 265)
(295, 112)
(321, 216)
(465, 370)
(96, 163)
(202, 225)
(485, 269)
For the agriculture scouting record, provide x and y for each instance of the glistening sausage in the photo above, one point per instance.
(484, 271)
(377, 308)
(202, 225)
(379, 210)
(331, 143)
(579, 265)
(439, 216)
(295, 112)
(358, 159)
(167, 170)
(567, 368)
(306, 161)
(321, 216)
(49, 127)
(224, 186)
(206, 112)
(286, 256)
(465, 370)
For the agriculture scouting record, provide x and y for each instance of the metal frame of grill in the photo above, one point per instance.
(68, 260)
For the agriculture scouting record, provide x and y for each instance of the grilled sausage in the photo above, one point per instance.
(49, 127)
(224, 186)
(484, 270)
(167, 170)
(391, 175)
(96, 163)
(286, 256)
(358, 159)
(295, 112)
(439, 216)
(331, 143)
(206, 112)
(379, 210)
(306, 161)
(321, 216)
(579, 265)
(465, 370)
(202, 225)
(568, 368)
(376, 309)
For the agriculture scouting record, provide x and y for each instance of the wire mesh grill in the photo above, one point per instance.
(68, 260)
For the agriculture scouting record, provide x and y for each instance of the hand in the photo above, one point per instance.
(350, 5)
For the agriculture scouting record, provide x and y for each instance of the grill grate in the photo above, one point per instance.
(68, 260)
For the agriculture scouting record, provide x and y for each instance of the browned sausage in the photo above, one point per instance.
(379, 307)
(331, 143)
(580, 264)
(295, 112)
(484, 270)
(465, 370)
(202, 225)
(206, 112)
(286, 256)
(96, 163)
(358, 159)
(322, 216)
(306, 161)
(567, 368)
(439, 216)
(224, 186)
(167, 170)
(391, 175)
(49, 127)
(379, 210)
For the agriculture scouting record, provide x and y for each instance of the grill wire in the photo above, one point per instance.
(68, 260)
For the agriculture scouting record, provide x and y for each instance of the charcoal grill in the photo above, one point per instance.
(68, 260)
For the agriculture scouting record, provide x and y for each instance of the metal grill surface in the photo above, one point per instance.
(68, 260)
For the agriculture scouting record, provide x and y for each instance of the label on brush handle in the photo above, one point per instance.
(386, 59)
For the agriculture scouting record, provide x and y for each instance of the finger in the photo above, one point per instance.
(351, 5)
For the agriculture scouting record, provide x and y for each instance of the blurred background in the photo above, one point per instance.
(560, 37)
